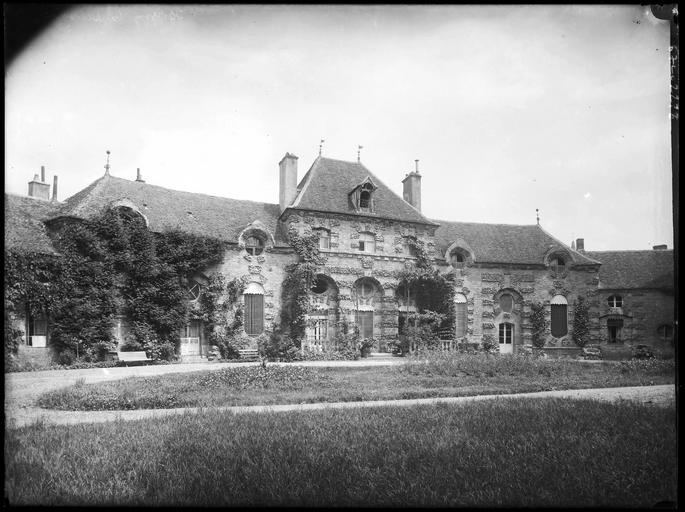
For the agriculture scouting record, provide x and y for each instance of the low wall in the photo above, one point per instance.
(37, 356)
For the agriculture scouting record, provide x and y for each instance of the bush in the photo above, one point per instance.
(489, 344)
(276, 346)
(643, 352)
(167, 352)
(67, 357)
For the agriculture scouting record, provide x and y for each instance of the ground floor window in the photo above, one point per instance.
(254, 314)
(506, 333)
(318, 330)
(364, 321)
(460, 316)
(38, 330)
(614, 328)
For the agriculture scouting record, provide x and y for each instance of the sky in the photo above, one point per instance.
(507, 108)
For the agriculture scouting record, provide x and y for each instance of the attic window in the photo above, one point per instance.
(458, 258)
(557, 263)
(364, 199)
(254, 245)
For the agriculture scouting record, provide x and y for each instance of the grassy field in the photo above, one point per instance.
(516, 452)
(435, 376)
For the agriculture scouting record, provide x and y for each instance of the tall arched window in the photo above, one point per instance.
(559, 316)
(254, 309)
(460, 318)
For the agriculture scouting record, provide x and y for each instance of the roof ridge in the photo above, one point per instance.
(485, 223)
(650, 251)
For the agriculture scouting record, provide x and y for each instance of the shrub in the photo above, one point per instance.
(581, 321)
(538, 323)
(66, 357)
(276, 346)
(489, 344)
(167, 352)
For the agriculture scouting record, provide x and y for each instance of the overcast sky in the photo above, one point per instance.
(508, 109)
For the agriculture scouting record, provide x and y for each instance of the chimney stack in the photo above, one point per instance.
(138, 176)
(661, 247)
(580, 244)
(412, 188)
(54, 188)
(287, 180)
(39, 189)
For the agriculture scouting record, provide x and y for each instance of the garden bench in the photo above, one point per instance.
(249, 354)
(132, 357)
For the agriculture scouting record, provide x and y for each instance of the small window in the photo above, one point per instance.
(364, 199)
(665, 333)
(615, 301)
(254, 245)
(324, 239)
(367, 242)
(557, 263)
(559, 316)
(457, 259)
(506, 303)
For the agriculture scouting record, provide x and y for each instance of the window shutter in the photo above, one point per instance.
(460, 319)
(254, 313)
(559, 320)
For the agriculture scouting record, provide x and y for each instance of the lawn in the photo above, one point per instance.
(513, 453)
(437, 375)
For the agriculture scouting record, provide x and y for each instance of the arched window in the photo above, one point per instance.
(254, 309)
(506, 303)
(367, 242)
(324, 238)
(254, 245)
(460, 318)
(364, 199)
(615, 301)
(559, 316)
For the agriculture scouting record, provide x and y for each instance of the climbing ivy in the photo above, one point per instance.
(108, 265)
(581, 322)
(431, 290)
(298, 282)
(538, 323)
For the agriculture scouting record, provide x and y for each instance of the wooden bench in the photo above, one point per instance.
(249, 354)
(132, 357)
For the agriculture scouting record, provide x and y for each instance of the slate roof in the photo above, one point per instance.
(326, 185)
(503, 243)
(24, 227)
(200, 214)
(635, 269)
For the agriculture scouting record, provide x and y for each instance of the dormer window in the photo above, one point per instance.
(557, 263)
(254, 245)
(458, 258)
(362, 196)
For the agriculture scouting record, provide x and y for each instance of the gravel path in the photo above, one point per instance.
(21, 389)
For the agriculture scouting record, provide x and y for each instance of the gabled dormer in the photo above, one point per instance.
(362, 196)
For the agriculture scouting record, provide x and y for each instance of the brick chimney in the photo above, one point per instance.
(54, 188)
(139, 177)
(661, 247)
(580, 244)
(288, 180)
(39, 189)
(412, 188)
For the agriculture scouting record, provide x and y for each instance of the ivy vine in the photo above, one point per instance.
(581, 322)
(538, 323)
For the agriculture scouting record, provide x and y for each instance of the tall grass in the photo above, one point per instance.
(545, 452)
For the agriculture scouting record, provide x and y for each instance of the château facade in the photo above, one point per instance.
(366, 233)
